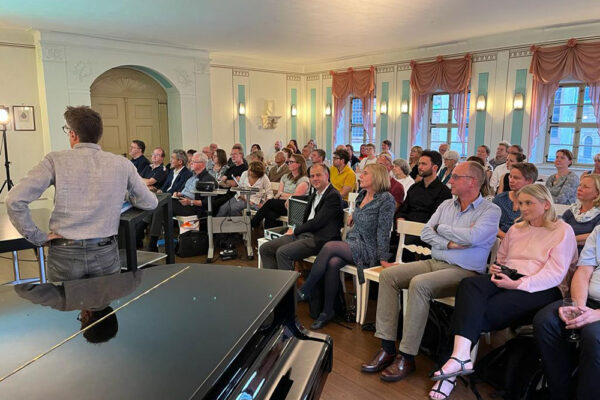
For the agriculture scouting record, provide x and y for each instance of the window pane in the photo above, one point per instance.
(358, 133)
(586, 154)
(564, 113)
(588, 115)
(589, 145)
(439, 135)
(561, 135)
(435, 145)
(439, 116)
(586, 96)
(566, 95)
(440, 101)
(357, 111)
(455, 142)
(554, 148)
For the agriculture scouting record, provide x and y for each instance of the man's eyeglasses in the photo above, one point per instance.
(335, 158)
(455, 176)
(66, 129)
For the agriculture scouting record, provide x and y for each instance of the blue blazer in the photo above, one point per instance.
(179, 183)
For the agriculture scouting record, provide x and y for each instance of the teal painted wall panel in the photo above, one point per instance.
(404, 121)
(242, 118)
(516, 132)
(328, 126)
(383, 118)
(313, 114)
(294, 97)
(482, 90)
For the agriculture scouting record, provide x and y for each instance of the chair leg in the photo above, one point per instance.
(365, 302)
(359, 291)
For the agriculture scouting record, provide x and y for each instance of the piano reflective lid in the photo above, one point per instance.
(182, 331)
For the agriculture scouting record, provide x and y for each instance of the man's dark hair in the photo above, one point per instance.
(388, 142)
(434, 156)
(140, 144)
(191, 152)
(85, 122)
(104, 330)
(343, 154)
(518, 147)
(162, 151)
(321, 153)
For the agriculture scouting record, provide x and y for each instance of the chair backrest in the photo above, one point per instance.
(410, 228)
(494, 251)
(352, 199)
(561, 208)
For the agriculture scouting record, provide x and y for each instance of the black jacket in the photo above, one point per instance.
(179, 183)
(329, 217)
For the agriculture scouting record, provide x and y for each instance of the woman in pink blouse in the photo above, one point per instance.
(541, 249)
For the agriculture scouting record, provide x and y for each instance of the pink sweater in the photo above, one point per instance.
(544, 255)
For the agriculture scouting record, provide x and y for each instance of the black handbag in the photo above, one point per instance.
(192, 244)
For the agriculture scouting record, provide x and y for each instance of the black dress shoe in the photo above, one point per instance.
(321, 321)
(379, 362)
(301, 297)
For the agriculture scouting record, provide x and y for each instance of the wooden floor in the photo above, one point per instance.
(352, 346)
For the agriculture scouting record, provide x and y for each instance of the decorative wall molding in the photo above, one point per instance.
(483, 57)
(387, 68)
(82, 70)
(53, 53)
(326, 75)
(520, 52)
(201, 67)
(238, 72)
(293, 77)
(403, 67)
(183, 77)
(313, 77)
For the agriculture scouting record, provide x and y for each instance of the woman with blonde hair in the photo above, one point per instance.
(584, 214)
(530, 272)
(413, 160)
(366, 245)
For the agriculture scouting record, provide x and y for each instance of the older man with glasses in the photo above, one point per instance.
(155, 174)
(136, 151)
(461, 233)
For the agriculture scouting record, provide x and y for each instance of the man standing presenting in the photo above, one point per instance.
(90, 185)
(136, 151)
(323, 219)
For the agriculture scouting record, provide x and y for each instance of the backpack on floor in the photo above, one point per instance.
(192, 244)
(513, 369)
(437, 339)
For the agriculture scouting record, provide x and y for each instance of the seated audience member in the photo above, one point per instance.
(219, 164)
(255, 147)
(443, 148)
(401, 173)
(237, 146)
(413, 161)
(277, 147)
(323, 219)
(256, 155)
(254, 177)
(596, 170)
(306, 154)
(362, 152)
(560, 357)
(312, 144)
(521, 174)
(279, 169)
(155, 174)
(209, 156)
(341, 175)
(370, 158)
(136, 151)
(386, 147)
(450, 160)
(213, 147)
(366, 245)
(501, 154)
(317, 156)
(563, 184)
(353, 159)
(501, 181)
(236, 168)
(295, 183)
(584, 214)
(396, 188)
(541, 248)
(483, 153)
(293, 145)
(486, 190)
(178, 174)
(424, 197)
(288, 153)
(187, 203)
(461, 233)
(190, 153)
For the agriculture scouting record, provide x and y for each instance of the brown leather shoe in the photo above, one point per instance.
(379, 362)
(399, 369)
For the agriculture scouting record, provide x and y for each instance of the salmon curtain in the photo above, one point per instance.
(452, 76)
(549, 65)
(359, 84)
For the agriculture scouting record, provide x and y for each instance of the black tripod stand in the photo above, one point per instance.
(7, 182)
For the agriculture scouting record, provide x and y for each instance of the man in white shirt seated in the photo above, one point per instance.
(323, 219)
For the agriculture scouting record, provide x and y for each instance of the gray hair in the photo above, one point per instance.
(181, 155)
(403, 164)
(201, 157)
(451, 155)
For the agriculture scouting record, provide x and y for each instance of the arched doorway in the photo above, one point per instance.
(133, 106)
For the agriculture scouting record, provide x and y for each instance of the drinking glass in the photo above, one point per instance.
(573, 313)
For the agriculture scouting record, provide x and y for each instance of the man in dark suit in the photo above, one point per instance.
(178, 175)
(323, 219)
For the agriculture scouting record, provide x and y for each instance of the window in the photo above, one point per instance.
(442, 124)
(358, 134)
(572, 124)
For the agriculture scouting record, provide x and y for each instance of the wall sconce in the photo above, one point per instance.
(242, 108)
(4, 116)
(294, 110)
(404, 107)
(328, 110)
(518, 101)
(384, 105)
(480, 105)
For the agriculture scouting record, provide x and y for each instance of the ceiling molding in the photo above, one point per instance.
(237, 72)
(385, 69)
(520, 52)
(293, 77)
(483, 57)
(314, 77)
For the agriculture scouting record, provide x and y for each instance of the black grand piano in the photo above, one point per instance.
(169, 332)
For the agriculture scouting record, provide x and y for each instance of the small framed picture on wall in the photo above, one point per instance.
(24, 118)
